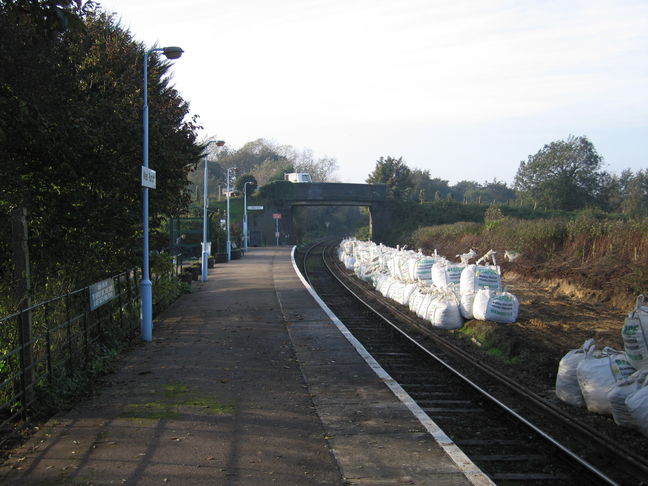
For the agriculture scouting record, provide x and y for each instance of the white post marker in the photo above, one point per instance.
(206, 245)
(245, 218)
(276, 217)
(229, 243)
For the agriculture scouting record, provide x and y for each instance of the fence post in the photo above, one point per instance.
(119, 300)
(68, 316)
(48, 343)
(23, 300)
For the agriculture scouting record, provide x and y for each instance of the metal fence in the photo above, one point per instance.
(65, 337)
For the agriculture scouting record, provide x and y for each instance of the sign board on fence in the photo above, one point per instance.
(101, 293)
(276, 216)
(148, 177)
(255, 208)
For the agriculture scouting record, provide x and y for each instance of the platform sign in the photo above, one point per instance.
(101, 292)
(148, 177)
(276, 215)
(255, 208)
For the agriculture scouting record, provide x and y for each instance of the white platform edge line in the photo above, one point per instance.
(475, 475)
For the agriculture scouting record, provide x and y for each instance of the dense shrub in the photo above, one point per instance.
(606, 254)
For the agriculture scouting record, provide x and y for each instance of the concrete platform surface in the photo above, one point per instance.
(247, 382)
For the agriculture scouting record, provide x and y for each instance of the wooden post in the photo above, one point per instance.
(22, 298)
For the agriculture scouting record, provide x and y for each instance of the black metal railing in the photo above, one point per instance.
(65, 336)
(49, 342)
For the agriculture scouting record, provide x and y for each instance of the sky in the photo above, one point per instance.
(466, 89)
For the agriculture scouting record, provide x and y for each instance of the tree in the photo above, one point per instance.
(239, 185)
(421, 181)
(252, 155)
(562, 175)
(394, 173)
(635, 202)
(462, 190)
(320, 170)
(489, 192)
(70, 119)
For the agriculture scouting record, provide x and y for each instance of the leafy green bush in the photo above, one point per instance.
(166, 286)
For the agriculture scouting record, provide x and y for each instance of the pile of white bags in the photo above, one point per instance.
(432, 286)
(608, 381)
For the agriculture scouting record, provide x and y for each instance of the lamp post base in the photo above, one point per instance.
(146, 292)
(204, 266)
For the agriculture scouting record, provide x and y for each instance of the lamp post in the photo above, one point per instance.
(229, 243)
(146, 290)
(205, 243)
(245, 219)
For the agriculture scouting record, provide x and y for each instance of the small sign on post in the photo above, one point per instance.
(255, 208)
(101, 293)
(148, 178)
(276, 215)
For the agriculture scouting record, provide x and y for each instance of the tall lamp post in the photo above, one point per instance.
(148, 180)
(245, 219)
(205, 243)
(229, 243)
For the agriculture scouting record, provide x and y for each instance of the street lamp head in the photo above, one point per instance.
(172, 52)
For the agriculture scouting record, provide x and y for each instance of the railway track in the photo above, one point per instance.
(507, 431)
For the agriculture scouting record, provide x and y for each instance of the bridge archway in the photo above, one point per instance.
(292, 196)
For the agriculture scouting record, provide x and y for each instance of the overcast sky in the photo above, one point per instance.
(464, 88)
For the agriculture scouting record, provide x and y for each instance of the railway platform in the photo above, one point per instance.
(247, 382)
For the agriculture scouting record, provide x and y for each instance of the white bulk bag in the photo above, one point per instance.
(597, 374)
(401, 292)
(401, 271)
(383, 281)
(637, 405)
(445, 273)
(496, 306)
(349, 261)
(416, 299)
(443, 311)
(635, 335)
(364, 271)
(376, 277)
(423, 307)
(620, 392)
(567, 387)
(475, 277)
(387, 285)
(422, 269)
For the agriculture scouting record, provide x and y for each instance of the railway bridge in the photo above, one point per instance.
(288, 196)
